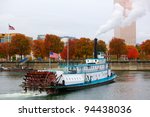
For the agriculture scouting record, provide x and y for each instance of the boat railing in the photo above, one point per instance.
(58, 78)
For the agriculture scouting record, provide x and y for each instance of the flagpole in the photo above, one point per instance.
(8, 37)
(68, 55)
(49, 61)
(10, 28)
(8, 33)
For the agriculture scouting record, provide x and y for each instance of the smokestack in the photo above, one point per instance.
(95, 48)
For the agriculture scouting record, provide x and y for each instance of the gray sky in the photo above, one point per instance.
(79, 18)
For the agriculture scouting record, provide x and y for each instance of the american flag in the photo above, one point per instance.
(54, 55)
(11, 27)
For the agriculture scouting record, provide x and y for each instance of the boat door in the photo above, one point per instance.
(87, 79)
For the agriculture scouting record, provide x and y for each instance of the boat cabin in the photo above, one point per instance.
(92, 65)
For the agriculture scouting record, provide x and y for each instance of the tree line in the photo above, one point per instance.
(78, 48)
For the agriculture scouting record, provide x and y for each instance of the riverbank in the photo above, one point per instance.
(131, 66)
(115, 65)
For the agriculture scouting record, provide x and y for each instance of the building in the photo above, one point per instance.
(127, 33)
(41, 37)
(5, 37)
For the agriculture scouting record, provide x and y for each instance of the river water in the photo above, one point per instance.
(130, 85)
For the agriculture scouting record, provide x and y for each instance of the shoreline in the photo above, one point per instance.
(115, 66)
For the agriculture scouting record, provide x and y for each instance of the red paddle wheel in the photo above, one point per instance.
(39, 81)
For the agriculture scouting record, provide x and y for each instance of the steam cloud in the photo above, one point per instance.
(115, 20)
(139, 9)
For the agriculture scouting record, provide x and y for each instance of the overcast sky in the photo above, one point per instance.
(78, 18)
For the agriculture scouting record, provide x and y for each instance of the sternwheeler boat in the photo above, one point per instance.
(94, 72)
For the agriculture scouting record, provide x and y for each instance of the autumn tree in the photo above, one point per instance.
(117, 47)
(84, 48)
(145, 47)
(70, 48)
(101, 46)
(38, 48)
(132, 52)
(53, 43)
(1, 51)
(21, 45)
(6, 50)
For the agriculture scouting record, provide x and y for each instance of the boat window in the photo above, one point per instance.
(72, 70)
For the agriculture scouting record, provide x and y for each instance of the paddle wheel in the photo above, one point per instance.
(39, 81)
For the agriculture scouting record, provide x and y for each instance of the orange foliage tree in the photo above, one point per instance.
(132, 52)
(5, 50)
(38, 48)
(117, 47)
(145, 47)
(53, 43)
(21, 45)
(84, 48)
(78, 49)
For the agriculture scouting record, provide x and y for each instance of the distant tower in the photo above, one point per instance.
(127, 33)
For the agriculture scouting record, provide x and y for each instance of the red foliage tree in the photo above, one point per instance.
(71, 50)
(132, 52)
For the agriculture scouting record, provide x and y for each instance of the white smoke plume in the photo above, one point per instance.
(114, 21)
(139, 9)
